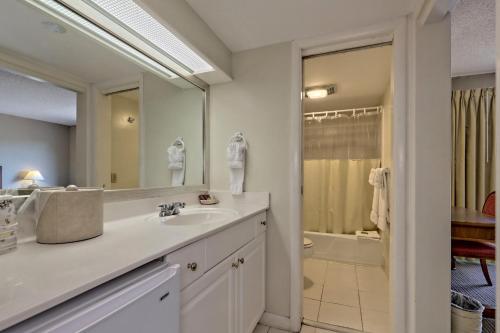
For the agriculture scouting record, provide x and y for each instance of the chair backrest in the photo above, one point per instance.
(489, 204)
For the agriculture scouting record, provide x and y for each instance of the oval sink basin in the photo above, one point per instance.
(197, 216)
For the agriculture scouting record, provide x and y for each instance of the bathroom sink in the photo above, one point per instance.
(197, 216)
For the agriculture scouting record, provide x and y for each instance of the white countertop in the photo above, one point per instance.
(36, 277)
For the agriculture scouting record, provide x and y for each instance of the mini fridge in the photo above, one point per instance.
(146, 300)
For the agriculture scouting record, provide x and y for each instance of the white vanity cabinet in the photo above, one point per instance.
(251, 286)
(229, 297)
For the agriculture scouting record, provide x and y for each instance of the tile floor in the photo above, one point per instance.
(347, 295)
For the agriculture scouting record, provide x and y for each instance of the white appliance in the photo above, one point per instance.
(144, 300)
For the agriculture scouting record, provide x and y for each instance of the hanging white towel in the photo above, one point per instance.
(379, 214)
(177, 162)
(236, 156)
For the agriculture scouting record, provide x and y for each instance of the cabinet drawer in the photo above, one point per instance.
(191, 258)
(260, 221)
(224, 243)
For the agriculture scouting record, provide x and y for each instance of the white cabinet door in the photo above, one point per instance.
(208, 305)
(251, 284)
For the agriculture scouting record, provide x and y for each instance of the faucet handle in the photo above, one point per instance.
(179, 204)
(165, 206)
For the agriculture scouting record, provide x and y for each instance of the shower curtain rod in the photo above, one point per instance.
(371, 109)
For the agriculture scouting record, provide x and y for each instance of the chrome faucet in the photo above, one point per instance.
(170, 209)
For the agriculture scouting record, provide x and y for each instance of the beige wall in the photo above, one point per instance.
(32, 144)
(124, 142)
(257, 102)
(168, 112)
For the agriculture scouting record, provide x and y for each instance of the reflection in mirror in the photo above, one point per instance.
(76, 111)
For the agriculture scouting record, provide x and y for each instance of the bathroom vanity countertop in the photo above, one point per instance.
(36, 277)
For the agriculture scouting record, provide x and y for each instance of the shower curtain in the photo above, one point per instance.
(338, 156)
(473, 147)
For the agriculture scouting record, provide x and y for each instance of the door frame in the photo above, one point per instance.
(397, 32)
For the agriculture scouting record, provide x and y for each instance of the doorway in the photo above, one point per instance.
(125, 129)
(395, 32)
(347, 159)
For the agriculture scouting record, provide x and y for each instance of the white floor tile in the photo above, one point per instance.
(375, 321)
(372, 278)
(340, 315)
(261, 329)
(378, 301)
(314, 270)
(341, 275)
(339, 295)
(313, 290)
(276, 330)
(310, 309)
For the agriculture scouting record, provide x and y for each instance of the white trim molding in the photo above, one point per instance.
(395, 31)
(276, 321)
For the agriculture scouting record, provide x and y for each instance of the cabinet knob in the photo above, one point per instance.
(241, 260)
(192, 266)
(263, 222)
(235, 265)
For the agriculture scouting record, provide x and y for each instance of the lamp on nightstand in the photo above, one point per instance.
(34, 175)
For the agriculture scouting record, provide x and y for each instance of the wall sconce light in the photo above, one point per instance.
(131, 120)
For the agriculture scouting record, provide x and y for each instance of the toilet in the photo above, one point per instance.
(308, 247)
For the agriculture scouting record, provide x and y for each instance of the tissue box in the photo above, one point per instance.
(8, 224)
(68, 216)
(8, 238)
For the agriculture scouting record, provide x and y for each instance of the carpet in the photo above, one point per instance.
(468, 279)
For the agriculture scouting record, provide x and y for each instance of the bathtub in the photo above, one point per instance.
(346, 248)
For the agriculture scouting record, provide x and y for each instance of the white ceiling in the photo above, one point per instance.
(473, 37)
(243, 24)
(22, 31)
(27, 98)
(362, 77)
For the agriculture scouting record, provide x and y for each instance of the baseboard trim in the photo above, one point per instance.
(275, 321)
(329, 327)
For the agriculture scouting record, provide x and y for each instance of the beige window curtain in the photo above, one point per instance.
(473, 147)
(338, 156)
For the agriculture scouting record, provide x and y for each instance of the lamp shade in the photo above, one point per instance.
(34, 175)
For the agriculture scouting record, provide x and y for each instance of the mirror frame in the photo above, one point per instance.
(72, 83)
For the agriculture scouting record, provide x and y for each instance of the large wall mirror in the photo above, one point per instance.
(76, 109)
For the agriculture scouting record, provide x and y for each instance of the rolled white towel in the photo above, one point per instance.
(371, 177)
(235, 155)
(175, 158)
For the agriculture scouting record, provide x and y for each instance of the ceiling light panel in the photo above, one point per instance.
(76, 21)
(133, 17)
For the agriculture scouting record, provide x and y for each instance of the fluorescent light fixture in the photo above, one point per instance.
(320, 92)
(316, 93)
(136, 20)
(83, 25)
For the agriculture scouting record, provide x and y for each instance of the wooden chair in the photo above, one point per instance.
(476, 249)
